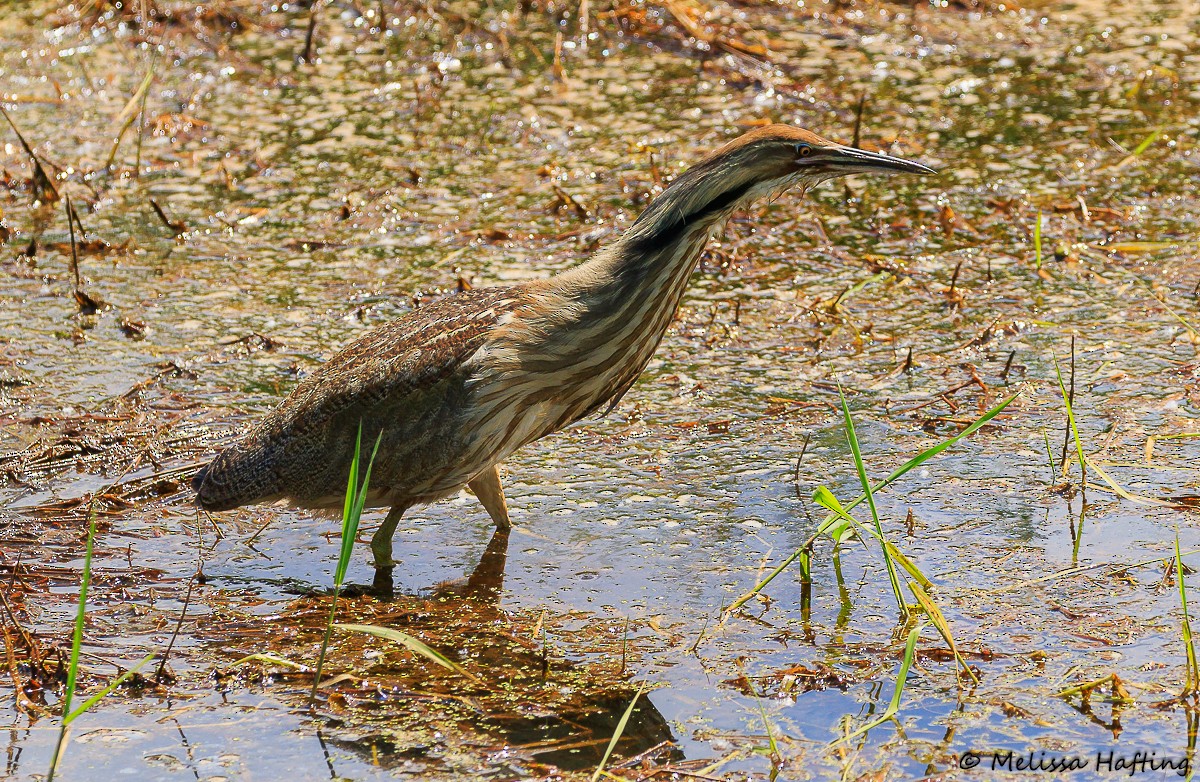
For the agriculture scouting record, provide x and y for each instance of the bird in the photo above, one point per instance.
(452, 389)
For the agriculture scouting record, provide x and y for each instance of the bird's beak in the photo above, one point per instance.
(852, 161)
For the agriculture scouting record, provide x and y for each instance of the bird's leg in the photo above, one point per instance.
(381, 541)
(487, 488)
(381, 548)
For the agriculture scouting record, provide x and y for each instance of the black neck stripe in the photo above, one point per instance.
(662, 236)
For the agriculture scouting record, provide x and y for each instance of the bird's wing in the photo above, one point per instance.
(300, 449)
(403, 357)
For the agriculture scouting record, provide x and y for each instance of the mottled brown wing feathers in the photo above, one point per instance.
(398, 358)
(381, 369)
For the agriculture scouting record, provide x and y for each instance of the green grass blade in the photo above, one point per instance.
(899, 472)
(893, 707)
(852, 437)
(312, 695)
(762, 712)
(267, 657)
(1146, 142)
(352, 508)
(114, 684)
(1182, 321)
(908, 565)
(413, 645)
(351, 519)
(1124, 494)
(352, 480)
(822, 498)
(80, 615)
(612, 744)
(1074, 430)
(1193, 668)
(806, 572)
(943, 627)
(842, 532)
(76, 642)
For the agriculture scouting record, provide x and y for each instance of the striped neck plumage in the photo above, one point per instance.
(659, 251)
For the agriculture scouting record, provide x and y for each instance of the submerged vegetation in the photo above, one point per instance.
(199, 201)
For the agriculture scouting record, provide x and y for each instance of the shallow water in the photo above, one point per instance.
(320, 199)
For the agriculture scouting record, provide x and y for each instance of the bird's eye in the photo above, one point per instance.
(803, 150)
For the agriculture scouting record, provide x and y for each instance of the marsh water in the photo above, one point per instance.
(244, 211)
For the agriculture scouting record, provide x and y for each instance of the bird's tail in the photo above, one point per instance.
(240, 475)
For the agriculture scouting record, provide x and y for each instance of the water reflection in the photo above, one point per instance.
(532, 702)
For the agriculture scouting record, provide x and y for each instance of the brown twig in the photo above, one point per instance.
(42, 184)
(187, 599)
(74, 248)
(941, 396)
(858, 115)
(176, 227)
(1071, 399)
(307, 56)
(954, 279)
(1007, 366)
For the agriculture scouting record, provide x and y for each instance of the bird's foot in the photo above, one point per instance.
(383, 585)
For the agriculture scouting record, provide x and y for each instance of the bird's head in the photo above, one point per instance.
(782, 153)
(762, 164)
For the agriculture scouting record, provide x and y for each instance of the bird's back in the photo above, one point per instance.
(404, 379)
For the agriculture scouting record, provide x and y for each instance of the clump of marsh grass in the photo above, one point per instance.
(1066, 389)
(803, 555)
(919, 585)
(841, 527)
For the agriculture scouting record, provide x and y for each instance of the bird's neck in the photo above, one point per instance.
(617, 307)
(650, 264)
(641, 278)
(589, 332)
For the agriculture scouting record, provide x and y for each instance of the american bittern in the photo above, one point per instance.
(457, 386)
